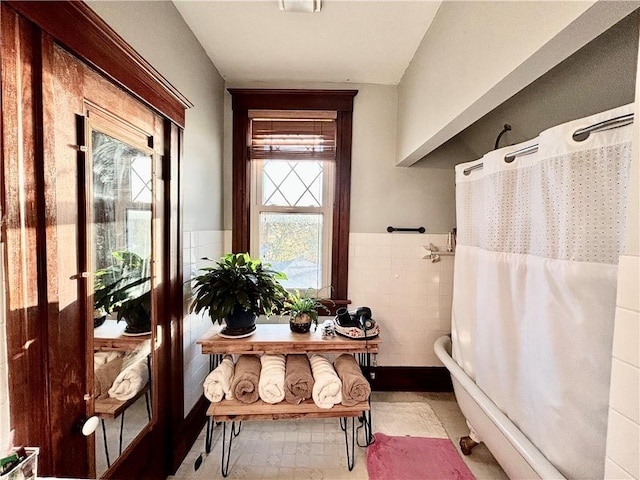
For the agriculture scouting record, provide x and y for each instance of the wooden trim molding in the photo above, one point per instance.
(411, 379)
(79, 29)
(277, 99)
(341, 101)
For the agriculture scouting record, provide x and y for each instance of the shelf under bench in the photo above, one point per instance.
(234, 410)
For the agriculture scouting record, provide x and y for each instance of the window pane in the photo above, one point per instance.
(292, 243)
(141, 179)
(292, 184)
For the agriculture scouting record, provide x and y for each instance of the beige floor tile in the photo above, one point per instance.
(315, 449)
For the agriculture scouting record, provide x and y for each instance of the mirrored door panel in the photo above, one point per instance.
(119, 192)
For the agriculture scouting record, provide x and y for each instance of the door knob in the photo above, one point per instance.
(88, 425)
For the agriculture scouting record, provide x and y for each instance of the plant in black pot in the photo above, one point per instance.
(302, 309)
(125, 288)
(236, 290)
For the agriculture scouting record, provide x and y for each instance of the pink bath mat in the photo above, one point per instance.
(415, 458)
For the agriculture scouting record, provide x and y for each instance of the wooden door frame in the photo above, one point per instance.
(40, 406)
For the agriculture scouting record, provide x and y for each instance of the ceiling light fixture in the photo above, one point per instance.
(300, 6)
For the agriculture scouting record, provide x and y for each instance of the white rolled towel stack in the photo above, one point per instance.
(327, 387)
(130, 381)
(134, 374)
(217, 385)
(271, 384)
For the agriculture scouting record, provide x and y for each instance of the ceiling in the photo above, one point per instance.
(357, 41)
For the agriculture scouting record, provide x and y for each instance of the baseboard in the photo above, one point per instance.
(188, 432)
(411, 379)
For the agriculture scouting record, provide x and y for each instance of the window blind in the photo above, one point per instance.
(292, 135)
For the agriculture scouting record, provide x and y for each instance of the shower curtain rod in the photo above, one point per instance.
(579, 135)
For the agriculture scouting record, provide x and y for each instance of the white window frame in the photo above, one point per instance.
(327, 202)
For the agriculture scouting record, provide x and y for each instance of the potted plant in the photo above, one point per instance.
(125, 288)
(302, 309)
(236, 290)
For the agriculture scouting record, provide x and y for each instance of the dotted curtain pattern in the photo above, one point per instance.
(568, 207)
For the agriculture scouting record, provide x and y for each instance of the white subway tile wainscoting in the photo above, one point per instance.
(409, 296)
(623, 435)
(196, 245)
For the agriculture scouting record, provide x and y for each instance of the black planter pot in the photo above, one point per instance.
(138, 321)
(97, 321)
(300, 323)
(241, 323)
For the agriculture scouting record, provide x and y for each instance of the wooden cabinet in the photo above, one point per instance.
(61, 66)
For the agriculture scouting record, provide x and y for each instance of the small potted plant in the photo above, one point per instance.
(125, 288)
(236, 290)
(302, 309)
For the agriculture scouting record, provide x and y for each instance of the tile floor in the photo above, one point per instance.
(314, 449)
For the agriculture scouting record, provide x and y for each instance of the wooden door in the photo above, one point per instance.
(86, 106)
(48, 98)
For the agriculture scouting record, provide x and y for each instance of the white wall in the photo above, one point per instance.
(157, 31)
(478, 54)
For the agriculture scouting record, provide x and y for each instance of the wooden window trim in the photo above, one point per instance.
(341, 101)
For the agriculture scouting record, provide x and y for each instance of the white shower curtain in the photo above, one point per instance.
(535, 285)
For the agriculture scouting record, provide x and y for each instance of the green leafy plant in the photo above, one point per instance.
(298, 304)
(125, 288)
(237, 280)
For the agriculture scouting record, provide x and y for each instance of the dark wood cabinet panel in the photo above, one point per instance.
(47, 91)
(83, 32)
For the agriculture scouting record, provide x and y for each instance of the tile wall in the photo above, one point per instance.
(212, 244)
(410, 297)
(623, 437)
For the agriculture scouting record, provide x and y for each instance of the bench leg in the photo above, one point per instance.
(209, 436)
(106, 445)
(351, 455)
(226, 447)
(365, 419)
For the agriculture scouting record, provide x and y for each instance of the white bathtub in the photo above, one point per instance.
(517, 456)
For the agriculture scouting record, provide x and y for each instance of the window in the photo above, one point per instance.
(292, 158)
(292, 166)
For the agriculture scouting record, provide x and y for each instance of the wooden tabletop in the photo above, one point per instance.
(278, 338)
(110, 337)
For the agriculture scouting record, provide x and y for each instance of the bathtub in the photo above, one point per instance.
(517, 456)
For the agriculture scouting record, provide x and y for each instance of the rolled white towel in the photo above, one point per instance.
(271, 384)
(217, 385)
(130, 381)
(327, 387)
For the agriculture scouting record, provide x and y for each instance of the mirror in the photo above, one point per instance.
(119, 237)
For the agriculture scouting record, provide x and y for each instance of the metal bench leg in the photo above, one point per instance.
(351, 454)
(146, 401)
(226, 448)
(209, 436)
(368, 433)
(121, 430)
(106, 445)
